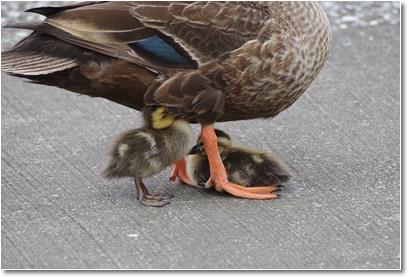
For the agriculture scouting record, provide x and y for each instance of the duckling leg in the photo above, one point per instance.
(179, 171)
(150, 199)
(218, 173)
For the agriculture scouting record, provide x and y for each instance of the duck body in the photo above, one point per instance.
(244, 165)
(253, 59)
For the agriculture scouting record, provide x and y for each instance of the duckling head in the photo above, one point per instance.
(224, 142)
(158, 117)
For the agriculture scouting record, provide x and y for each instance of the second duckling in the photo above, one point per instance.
(244, 165)
(143, 152)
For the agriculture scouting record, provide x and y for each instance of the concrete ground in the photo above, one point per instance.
(341, 209)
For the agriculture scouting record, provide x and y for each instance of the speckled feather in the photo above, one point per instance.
(250, 59)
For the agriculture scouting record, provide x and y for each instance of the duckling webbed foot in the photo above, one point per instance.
(179, 171)
(218, 175)
(150, 199)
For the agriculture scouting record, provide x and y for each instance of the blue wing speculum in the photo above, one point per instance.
(162, 51)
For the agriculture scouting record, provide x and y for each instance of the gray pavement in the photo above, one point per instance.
(341, 209)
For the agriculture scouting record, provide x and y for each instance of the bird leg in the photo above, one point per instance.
(150, 199)
(218, 173)
(179, 171)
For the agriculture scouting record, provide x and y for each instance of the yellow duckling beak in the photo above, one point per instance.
(161, 119)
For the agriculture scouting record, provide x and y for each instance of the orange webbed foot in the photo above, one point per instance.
(219, 175)
(260, 189)
(175, 172)
(257, 193)
(179, 171)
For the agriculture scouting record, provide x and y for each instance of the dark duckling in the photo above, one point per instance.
(244, 165)
(146, 151)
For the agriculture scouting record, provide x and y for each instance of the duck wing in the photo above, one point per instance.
(158, 35)
(47, 60)
(206, 29)
(162, 37)
(110, 29)
(83, 48)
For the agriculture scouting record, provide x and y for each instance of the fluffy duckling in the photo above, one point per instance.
(143, 152)
(243, 165)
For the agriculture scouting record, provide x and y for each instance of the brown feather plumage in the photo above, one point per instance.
(248, 59)
(47, 60)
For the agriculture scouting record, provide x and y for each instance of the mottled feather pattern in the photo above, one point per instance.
(190, 96)
(205, 29)
(280, 64)
(273, 68)
(249, 59)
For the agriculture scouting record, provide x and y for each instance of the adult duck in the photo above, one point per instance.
(204, 61)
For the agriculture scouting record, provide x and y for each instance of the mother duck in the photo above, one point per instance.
(205, 62)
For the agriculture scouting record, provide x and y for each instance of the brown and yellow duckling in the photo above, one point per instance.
(143, 152)
(244, 165)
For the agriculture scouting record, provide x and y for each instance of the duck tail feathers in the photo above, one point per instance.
(23, 25)
(49, 11)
